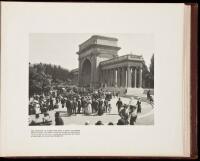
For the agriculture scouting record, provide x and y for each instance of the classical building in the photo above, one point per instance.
(100, 65)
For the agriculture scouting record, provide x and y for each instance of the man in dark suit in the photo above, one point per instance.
(119, 104)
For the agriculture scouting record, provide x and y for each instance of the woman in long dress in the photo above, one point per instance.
(37, 108)
(139, 108)
(89, 107)
(100, 107)
(133, 114)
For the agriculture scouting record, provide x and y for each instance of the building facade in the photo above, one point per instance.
(100, 65)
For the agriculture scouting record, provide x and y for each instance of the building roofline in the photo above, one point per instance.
(122, 58)
(100, 37)
(104, 37)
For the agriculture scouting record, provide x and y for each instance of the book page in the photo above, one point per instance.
(186, 80)
(107, 45)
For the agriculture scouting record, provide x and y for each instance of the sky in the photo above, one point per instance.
(60, 48)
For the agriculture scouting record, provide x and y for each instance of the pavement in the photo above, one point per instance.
(146, 117)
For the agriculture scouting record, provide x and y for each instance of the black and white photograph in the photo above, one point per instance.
(68, 67)
(91, 79)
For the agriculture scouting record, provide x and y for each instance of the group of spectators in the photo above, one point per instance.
(93, 103)
(128, 112)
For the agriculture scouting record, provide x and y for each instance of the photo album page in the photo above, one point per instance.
(94, 79)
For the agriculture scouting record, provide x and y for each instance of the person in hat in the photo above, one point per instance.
(79, 105)
(121, 122)
(148, 94)
(87, 123)
(139, 108)
(124, 113)
(101, 107)
(133, 114)
(58, 119)
(94, 106)
(99, 123)
(151, 99)
(89, 107)
(36, 121)
(63, 102)
(74, 105)
(47, 118)
(37, 108)
(119, 104)
(106, 105)
(51, 103)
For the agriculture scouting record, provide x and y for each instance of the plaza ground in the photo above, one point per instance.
(146, 117)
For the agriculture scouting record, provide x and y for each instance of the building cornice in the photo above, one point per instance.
(98, 46)
(128, 57)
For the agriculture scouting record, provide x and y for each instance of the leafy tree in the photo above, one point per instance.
(145, 76)
(42, 77)
(151, 68)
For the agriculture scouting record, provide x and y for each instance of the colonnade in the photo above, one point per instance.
(127, 76)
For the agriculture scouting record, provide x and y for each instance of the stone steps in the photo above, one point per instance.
(140, 92)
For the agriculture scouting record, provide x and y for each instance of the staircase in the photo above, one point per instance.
(139, 92)
(135, 92)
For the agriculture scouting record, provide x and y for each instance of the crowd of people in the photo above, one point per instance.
(94, 103)
(127, 112)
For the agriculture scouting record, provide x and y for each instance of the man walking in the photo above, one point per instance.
(119, 104)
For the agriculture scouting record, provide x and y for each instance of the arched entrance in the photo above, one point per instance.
(86, 73)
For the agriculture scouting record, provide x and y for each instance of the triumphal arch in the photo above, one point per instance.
(100, 65)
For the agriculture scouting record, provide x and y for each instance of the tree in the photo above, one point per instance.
(39, 82)
(145, 76)
(148, 74)
(151, 68)
(42, 77)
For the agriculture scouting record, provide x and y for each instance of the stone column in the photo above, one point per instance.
(132, 77)
(104, 73)
(102, 79)
(140, 78)
(128, 77)
(108, 78)
(123, 76)
(115, 78)
(118, 77)
(121, 79)
(135, 80)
